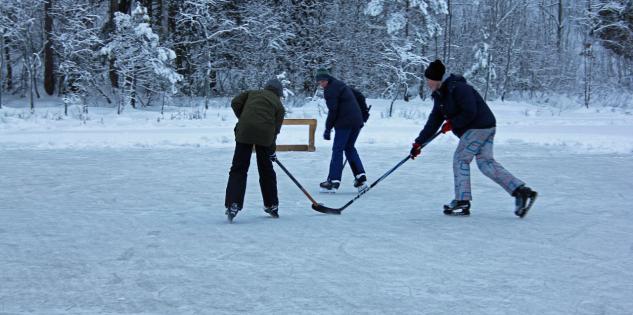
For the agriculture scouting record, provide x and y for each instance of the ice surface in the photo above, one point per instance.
(125, 215)
(143, 231)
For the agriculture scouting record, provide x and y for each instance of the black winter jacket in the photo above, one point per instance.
(343, 110)
(460, 103)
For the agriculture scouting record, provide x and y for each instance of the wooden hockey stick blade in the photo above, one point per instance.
(323, 209)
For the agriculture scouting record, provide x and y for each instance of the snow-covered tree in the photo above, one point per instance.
(613, 25)
(77, 37)
(22, 37)
(204, 30)
(507, 48)
(142, 65)
(412, 26)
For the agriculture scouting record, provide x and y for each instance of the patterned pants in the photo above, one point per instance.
(478, 143)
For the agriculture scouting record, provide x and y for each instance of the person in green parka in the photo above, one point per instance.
(260, 115)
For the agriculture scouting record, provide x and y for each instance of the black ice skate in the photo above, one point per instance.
(360, 182)
(232, 211)
(524, 199)
(330, 186)
(273, 211)
(458, 208)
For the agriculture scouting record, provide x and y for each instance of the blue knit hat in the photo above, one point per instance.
(322, 74)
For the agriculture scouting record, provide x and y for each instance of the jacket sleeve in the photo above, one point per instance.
(331, 100)
(433, 123)
(237, 104)
(279, 117)
(465, 99)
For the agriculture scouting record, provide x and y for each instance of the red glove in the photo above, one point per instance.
(416, 149)
(447, 126)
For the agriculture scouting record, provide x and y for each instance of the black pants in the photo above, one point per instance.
(236, 188)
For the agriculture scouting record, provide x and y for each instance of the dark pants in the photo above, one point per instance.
(236, 188)
(344, 141)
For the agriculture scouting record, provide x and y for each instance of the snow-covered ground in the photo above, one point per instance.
(124, 215)
(561, 125)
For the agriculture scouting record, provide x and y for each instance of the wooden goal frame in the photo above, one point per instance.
(312, 123)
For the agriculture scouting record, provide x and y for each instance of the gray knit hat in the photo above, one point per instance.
(275, 86)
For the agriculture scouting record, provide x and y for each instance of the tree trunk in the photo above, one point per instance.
(110, 27)
(507, 69)
(207, 81)
(125, 6)
(31, 57)
(162, 107)
(447, 34)
(588, 61)
(407, 10)
(29, 80)
(559, 29)
(60, 85)
(395, 97)
(181, 50)
(120, 97)
(24, 78)
(488, 76)
(49, 65)
(437, 49)
(7, 52)
(588, 65)
(132, 86)
(164, 17)
(1, 66)
(34, 83)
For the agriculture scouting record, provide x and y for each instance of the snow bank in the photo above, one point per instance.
(581, 130)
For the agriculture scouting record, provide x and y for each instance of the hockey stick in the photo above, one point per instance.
(315, 205)
(321, 208)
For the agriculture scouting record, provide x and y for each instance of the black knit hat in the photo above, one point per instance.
(435, 71)
(275, 86)
(322, 74)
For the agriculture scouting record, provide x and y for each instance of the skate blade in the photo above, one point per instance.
(459, 212)
(273, 215)
(328, 191)
(523, 212)
(229, 217)
(362, 188)
(456, 213)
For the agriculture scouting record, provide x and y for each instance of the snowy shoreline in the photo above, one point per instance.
(579, 130)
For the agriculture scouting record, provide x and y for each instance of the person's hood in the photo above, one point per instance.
(453, 78)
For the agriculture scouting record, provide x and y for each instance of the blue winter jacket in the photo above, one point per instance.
(343, 110)
(460, 103)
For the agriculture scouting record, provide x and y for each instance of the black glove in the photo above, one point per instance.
(327, 134)
(273, 157)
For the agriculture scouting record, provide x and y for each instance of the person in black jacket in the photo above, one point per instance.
(470, 119)
(347, 118)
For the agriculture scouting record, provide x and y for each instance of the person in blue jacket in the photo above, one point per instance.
(469, 117)
(346, 118)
